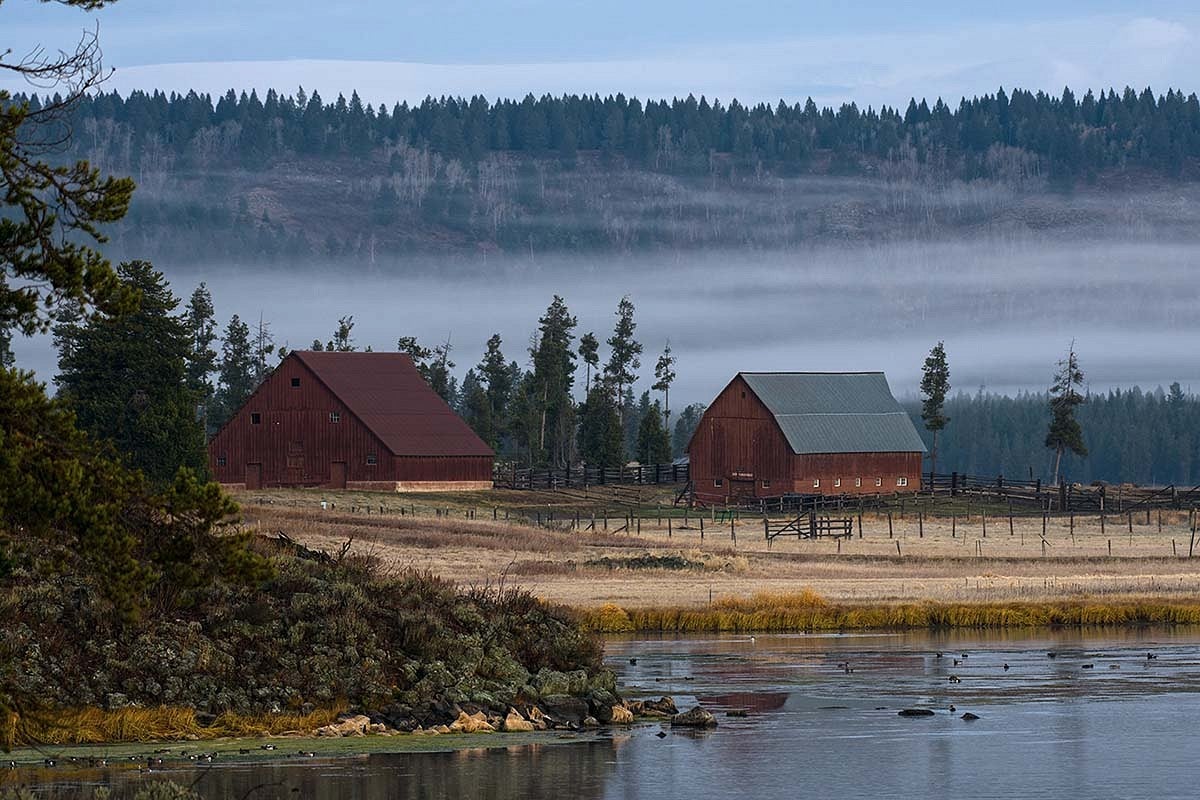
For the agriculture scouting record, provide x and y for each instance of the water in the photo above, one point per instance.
(1048, 726)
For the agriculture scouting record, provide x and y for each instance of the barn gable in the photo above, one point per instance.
(349, 420)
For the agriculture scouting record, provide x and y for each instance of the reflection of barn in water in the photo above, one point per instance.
(747, 701)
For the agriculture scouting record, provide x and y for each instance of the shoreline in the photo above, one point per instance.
(806, 611)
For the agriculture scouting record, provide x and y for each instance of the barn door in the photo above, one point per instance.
(254, 476)
(337, 475)
(295, 462)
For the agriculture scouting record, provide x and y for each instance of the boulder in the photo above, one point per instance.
(538, 719)
(697, 717)
(619, 715)
(515, 723)
(600, 703)
(356, 725)
(552, 682)
(605, 679)
(471, 723)
(969, 716)
(663, 707)
(591, 722)
(564, 708)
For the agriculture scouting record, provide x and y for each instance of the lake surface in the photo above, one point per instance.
(1125, 727)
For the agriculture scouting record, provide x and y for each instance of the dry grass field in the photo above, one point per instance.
(651, 566)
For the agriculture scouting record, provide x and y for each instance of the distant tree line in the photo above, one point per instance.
(1145, 437)
(1068, 135)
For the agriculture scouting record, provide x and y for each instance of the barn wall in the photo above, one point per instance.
(296, 443)
(739, 444)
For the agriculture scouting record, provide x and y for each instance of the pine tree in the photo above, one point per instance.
(497, 377)
(235, 372)
(625, 354)
(343, 339)
(201, 358)
(935, 385)
(654, 444)
(685, 426)
(600, 435)
(438, 372)
(264, 346)
(6, 354)
(553, 379)
(664, 372)
(125, 378)
(1065, 432)
(589, 351)
(475, 408)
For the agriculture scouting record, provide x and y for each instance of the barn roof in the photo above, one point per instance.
(389, 396)
(836, 412)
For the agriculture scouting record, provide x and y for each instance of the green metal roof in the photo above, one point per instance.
(836, 412)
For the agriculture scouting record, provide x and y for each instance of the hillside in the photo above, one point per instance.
(293, 178)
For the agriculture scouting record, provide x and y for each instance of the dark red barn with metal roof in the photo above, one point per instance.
(349, 421)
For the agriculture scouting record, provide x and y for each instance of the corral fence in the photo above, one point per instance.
(512, 477)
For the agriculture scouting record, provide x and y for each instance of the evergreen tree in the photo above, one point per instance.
(126, 379)
(589, 351)
(264, 346)
(685, 426)
(6, 354)
(553, 379)
(201, 358)
(935, 385)
(343, 339)
(236, 379)
(664, 373)
(497, 377)
(1065, 432)
(438, 372)
(600, 435)
(420, 355)
(654, 444)
(625, 353)
(475, 408)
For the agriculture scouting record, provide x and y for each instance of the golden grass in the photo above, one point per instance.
(808, 611)
(94, 725)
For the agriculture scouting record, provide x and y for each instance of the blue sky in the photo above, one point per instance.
(873, 51)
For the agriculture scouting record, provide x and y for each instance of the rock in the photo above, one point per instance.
(605, 679)
(538, 719)
(563, 708)
(663, 707)
(916, 712)
(515, 723)
(619, 715)
(969, 716)
(204, 719)
(577, 682)
(591, 722)
(377, 727)
(697, 717)
(356, 725)
(551, 682)
(443, 728)
(600, 703)
(471, 723)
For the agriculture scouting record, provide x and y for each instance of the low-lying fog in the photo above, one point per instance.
(1007, 309)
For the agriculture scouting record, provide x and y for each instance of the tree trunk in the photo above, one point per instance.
(1058, 452)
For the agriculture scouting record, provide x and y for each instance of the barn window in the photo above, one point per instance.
(335, 416)
(295, 383)
(372, 459)
(837, 483)
(766, 484)
(221, 461)
(718, 481)
(256, 418)
(902, 481)
(879, 481)
(858, 483)
(816, 483)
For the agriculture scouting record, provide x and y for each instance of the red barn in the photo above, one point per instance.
(349, 421)
(777, 433)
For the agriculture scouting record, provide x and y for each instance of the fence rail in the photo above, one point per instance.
(582, 477)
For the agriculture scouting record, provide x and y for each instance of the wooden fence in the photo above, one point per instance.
(511, 477)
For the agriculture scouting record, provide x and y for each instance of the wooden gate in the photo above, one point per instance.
(337, 475)
(254, 476)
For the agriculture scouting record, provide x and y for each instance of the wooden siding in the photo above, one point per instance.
(739, 443)
(297, 444)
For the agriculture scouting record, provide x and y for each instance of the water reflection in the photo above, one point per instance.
(822, 720)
